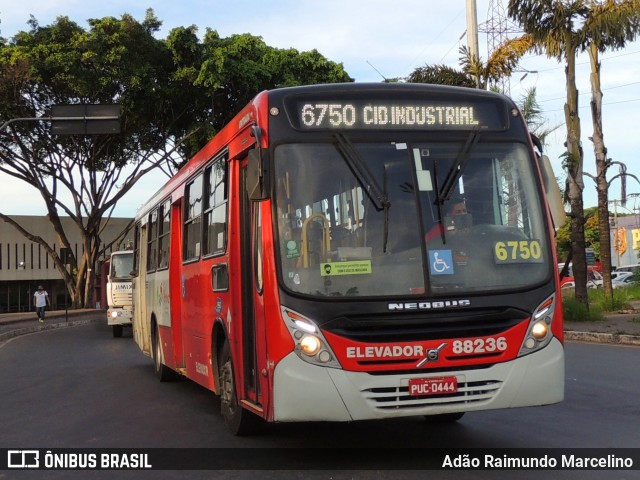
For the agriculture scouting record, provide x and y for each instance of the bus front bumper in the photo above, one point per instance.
(305, 392)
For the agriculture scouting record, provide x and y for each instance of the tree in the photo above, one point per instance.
(500, 64)
(231, 71)
(554, 27)
(533, 116)
(592, 239)
(174, 95)
(474, 73)
(117, 61)
(441, 75)
(609, 26)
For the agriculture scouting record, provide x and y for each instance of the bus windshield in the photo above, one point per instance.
(442, 225)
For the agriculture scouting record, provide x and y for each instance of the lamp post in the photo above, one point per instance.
(21, 266)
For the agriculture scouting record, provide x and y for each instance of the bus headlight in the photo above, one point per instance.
(539, 330)
(539, 333)
(309, 343)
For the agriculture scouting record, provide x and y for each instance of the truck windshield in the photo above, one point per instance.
(121, 266)
(487, 234)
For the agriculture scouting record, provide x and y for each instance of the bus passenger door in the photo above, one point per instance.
(141, 330)
(254, 352)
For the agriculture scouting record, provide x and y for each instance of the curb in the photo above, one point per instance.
(591, 337)
(41, 328)
(595, 337)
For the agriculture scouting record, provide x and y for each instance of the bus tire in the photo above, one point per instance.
(117, 331)
(164, 373)
(237, 419)
(444, 417)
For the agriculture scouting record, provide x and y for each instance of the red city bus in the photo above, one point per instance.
(288, 267)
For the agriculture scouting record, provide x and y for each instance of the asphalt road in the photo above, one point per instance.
(81, 388)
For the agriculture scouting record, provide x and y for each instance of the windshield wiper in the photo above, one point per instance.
(362, 172)
(458, 166)
(460, 162)
(378, 196)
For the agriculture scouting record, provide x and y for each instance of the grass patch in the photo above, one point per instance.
(620, 301)
(575, 311)
(599, 304)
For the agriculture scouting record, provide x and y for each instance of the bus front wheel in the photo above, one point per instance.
(238, 420)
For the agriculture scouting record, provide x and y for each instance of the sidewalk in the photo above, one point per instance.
(16, 324)
(619, 327)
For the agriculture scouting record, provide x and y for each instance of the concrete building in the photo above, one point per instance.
(25, 264)
(625, 241)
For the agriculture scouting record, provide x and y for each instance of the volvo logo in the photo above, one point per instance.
(433, 355)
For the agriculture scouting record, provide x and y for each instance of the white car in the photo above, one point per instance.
(623, 279)
(628, 268)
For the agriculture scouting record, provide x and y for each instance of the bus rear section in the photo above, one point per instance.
(351, 252)
(119, 291)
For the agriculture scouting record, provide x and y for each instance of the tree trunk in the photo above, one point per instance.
(601, 172)
(574, 162)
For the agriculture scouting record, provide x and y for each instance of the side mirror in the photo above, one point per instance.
(554, 196)
(257, 175)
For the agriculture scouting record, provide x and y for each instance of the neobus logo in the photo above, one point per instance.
(404, 306)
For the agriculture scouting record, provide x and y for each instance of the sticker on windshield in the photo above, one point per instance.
(345, 268)
(440, 262)
(292, 249)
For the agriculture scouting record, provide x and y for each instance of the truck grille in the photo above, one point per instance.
(122, 298)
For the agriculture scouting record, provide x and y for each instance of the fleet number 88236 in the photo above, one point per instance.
(479, 345)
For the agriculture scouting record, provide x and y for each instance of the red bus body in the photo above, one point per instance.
(265, 281)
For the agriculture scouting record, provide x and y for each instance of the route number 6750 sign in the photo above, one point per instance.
(518, 251)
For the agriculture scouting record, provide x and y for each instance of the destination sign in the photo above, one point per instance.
(411, 115)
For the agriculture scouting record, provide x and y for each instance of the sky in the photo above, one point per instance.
(374, 40)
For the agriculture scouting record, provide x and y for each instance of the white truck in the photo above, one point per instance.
(119, 291)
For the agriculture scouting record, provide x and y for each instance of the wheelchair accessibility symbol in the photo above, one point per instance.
(441, 262)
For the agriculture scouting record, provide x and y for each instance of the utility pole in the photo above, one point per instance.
(472, 33)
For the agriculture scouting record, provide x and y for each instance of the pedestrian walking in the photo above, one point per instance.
(41, 302)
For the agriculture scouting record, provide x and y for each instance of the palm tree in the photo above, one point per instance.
(610, 25)
(501, 62)
(441, 75)
(533, 116)
(555, 29)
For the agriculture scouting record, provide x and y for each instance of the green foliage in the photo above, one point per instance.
(171, 90)
(592, 237)
(563, 241)
(599, 303)
(532, 114)
(174, 93)
(619, 301)
(559, 29)
(441, 75)
(229, 72)
(575, 311)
